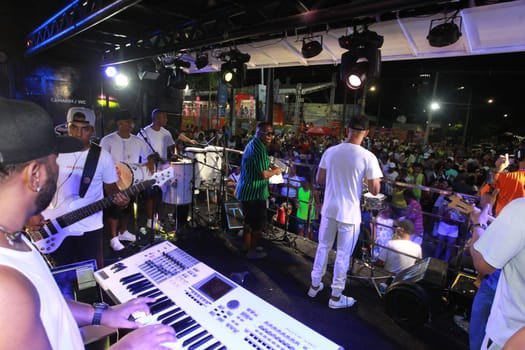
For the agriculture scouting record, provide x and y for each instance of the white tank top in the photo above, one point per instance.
(61, 328)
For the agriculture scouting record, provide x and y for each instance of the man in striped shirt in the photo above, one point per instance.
(252, 187)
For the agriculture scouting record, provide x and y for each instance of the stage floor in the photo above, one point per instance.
(283, 278)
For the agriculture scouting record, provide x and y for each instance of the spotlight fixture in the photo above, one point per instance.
(201, 60)
(359, 66)
(177, 79)
(233, 70)
(445, 33)
(147, 70)
(311, 47)
(362, 62)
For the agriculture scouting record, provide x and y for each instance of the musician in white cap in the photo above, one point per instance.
(159, 140)
(129, 149)
(84, 177)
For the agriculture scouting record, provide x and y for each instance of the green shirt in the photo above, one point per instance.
(251, 185)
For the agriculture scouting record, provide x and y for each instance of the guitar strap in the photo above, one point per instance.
(89, 168)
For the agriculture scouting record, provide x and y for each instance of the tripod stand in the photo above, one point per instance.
(363, 268)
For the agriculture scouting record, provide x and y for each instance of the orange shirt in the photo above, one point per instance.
(510, 185)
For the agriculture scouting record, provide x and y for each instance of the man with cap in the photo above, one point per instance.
(159, 140)
(124, 147)
(342, 170)
(34, 313)
(72, 193)
(400, 252)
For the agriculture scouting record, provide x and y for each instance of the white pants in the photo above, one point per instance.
(347, 236)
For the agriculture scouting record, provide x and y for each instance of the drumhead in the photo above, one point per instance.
(125, 176)
(377, 196)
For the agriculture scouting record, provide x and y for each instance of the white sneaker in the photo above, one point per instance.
(156, 225)
(127, 236)
(115, 244)
(312, 293)
(343, 302)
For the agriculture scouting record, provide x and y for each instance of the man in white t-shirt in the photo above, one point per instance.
(501, 245)
(159, 140)
(342, 170)
(130, 149)
(89, 245)
(400, 252)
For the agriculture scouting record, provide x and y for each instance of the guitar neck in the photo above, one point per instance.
(81, 213)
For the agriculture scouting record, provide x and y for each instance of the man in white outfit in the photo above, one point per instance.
(124, 147)
(501, 245)
(342, 170)
(159, 140)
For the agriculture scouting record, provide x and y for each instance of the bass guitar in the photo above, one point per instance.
(52, 234)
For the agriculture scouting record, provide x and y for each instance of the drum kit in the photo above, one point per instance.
(198, 169)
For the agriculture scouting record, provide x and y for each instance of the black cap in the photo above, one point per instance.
(407, 225)
(123, 115)
(27, 133)
(359, 122)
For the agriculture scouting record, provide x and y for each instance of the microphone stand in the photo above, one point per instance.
(154, 207)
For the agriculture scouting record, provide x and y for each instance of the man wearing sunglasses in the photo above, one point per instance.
(252, 187)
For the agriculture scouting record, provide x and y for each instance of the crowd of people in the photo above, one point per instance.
(323, 191)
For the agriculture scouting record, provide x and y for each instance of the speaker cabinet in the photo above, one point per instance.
(416, 292)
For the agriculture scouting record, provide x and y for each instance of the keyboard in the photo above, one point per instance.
(206, 309)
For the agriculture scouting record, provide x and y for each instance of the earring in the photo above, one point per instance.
(38, 189)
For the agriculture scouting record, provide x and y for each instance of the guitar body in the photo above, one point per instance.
(55, 234)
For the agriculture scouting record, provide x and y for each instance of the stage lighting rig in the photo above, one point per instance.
(362, 62)
(201, 60)
(233, 70)
(445, 33)
(177, 78)
(312, 47)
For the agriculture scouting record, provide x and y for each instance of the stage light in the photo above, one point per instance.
(110, 71)
(311, 47)
(233, 70)
(201, 60)
(177, 79)
(444, 34)
(361, 64)
(121, 81)
(147, 71)
(233, 74)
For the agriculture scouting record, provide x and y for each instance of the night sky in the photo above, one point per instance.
(402, 91)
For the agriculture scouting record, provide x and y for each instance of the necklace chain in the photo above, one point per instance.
(12, 237)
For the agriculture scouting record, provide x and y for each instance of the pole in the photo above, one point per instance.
(467, 117)
(429, 120)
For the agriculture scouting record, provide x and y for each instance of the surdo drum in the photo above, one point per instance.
(178, 191)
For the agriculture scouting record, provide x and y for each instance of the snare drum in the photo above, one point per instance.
(376, 202)
(131, 174)
(178, 191)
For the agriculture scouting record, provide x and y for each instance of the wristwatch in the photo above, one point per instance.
(97, 315)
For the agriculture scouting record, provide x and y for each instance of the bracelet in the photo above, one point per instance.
(483, 226)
